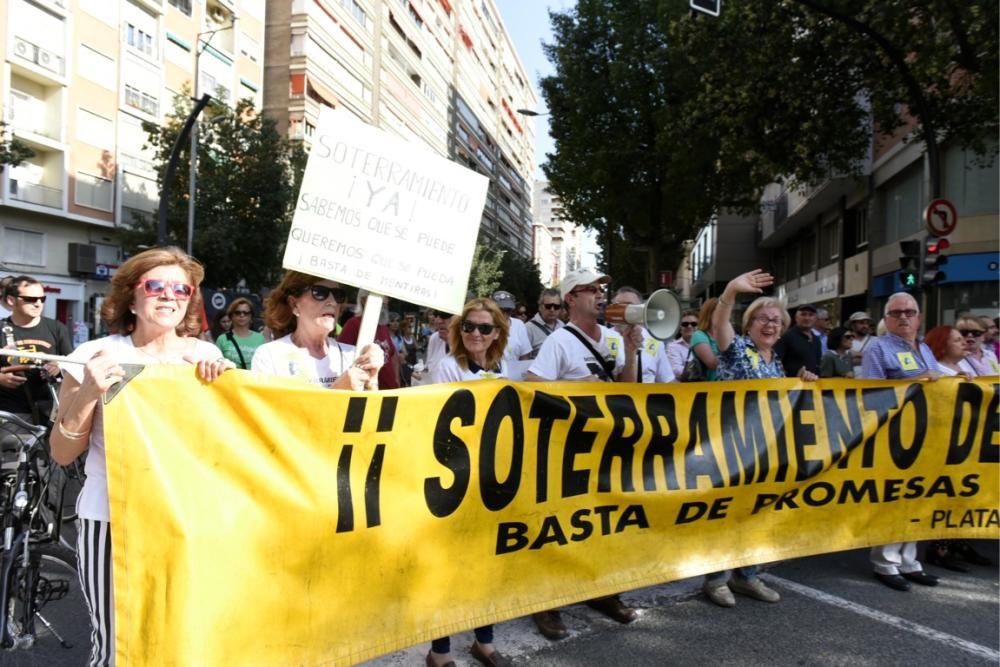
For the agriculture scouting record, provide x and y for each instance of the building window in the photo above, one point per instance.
(93, 191)
(831, 241)
(183, 6)
(138, 39)
(861, 226)
(356, 11)
(137, 99)
(23, 247)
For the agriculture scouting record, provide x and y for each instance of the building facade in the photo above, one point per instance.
(558, 241)
(836, 244)
(79, 78)
(442, 73)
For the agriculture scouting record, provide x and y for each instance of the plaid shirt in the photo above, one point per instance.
(890, 357)
(742, 361)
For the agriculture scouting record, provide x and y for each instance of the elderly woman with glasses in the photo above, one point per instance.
(982, 360)
(240, 342)
(153, 305)
(302, 312)
(476, 340)
(748, 357)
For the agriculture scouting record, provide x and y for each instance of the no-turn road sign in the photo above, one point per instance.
(941, 217)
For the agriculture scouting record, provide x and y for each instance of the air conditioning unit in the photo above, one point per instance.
(23, 48)
(82, 258)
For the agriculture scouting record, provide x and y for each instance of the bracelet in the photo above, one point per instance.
(71, 435)
(723, 303)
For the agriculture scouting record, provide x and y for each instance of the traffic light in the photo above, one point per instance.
(910, 264)
(710, 7)
(930, 275)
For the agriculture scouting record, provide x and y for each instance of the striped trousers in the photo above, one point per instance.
(93, 554)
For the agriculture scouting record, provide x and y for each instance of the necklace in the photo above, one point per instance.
(166, 358)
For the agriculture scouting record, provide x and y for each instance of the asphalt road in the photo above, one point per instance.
(832, 613)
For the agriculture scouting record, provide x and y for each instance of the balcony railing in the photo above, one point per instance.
(31, 52)
(28, 115)
(33, 193)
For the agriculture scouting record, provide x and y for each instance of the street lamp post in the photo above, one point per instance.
(193, 177)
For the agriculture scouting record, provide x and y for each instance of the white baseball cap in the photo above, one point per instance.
(580, 277)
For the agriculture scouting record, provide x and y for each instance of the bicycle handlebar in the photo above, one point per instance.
(34, 429)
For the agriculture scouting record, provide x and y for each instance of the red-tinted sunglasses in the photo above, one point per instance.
(156, 287)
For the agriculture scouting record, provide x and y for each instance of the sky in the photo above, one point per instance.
(527, 21)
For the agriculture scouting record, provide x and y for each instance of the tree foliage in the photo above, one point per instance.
(12, 151)
(247, 179)
(485, 273)
(661, 117)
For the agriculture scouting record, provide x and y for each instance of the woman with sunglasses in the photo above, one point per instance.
(476, 339)
(302, 312)
(153, 307)
(982, 360)
(240, 342)
(836, 362)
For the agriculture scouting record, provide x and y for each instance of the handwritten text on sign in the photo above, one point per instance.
(378, 212)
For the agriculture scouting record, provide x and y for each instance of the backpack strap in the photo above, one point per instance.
(608, 366)
(232, 339)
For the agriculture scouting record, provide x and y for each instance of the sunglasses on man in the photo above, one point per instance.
(32, 299)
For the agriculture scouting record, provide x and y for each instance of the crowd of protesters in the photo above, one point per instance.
(155, 313)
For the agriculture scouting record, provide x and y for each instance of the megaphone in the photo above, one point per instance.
(661, 314)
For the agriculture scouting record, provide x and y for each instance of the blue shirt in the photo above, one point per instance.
(890, 357)
(742, 361)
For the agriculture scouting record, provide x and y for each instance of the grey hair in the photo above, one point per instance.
(625, 289)
(549, 292)
(900, 295)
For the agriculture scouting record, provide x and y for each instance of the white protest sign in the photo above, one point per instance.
(381, 213)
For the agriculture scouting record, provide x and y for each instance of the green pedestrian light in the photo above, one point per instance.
(910, 263)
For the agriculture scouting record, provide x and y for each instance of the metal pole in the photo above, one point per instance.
(193, 176)
(168, 176)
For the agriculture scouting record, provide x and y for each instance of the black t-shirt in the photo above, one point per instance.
(48, 336)
(797, 350)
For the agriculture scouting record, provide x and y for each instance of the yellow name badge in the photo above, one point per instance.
(754, 358)
(613, 347)
(907, 361)
(652, 345)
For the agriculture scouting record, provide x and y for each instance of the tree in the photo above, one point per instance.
(485, 272)
(661, 117)
(248, 177)
(12, 151)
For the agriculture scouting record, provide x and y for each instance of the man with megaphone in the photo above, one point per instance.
(653, 365)
(581, 351)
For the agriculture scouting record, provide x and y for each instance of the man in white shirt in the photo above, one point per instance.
(860, 325)
(679, 349)
(437, 347)
(546, 320)
(518, 343)
(653, 362)
(582, 351)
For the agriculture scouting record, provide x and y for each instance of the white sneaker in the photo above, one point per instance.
(720, 595)
(754, 588)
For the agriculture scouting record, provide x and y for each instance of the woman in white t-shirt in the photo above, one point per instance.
(154, 303)
(302, 312)
(477, 339)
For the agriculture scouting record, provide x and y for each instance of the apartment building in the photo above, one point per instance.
(79, 77)
(836, 243)
(443, 73)
(558, 241)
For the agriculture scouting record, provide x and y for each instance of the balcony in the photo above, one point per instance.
(34, 193)
(28, 52)
(28, 113)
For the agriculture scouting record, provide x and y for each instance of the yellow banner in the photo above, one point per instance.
(259, 521)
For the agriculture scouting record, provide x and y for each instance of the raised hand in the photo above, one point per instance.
(752, 282)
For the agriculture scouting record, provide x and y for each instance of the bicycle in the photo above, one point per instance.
(33, 558)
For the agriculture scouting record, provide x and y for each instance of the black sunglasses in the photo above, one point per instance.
(32, 299)
(551, 306)
(975, 333)
(322, 293)
(689, 324)
(242, 312)
(484, 329)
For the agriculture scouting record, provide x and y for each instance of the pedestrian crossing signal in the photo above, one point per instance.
(910, 264)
